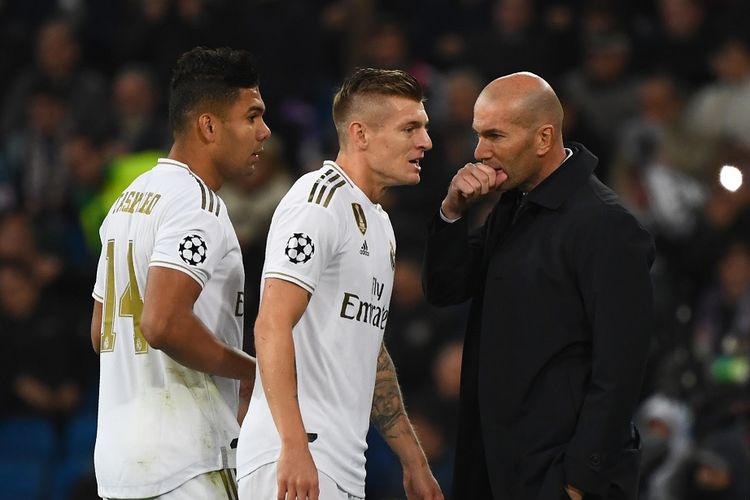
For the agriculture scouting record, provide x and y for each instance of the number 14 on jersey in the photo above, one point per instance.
(130, 304)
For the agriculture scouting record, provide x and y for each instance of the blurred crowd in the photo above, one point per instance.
(658, 89)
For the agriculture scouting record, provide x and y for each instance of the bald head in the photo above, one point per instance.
(527, 97)
(518, 121)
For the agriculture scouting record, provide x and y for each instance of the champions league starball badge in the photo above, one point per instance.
(193, 250)
(299, 248)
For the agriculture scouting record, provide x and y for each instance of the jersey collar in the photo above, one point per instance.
(174, 163)
(361, 194)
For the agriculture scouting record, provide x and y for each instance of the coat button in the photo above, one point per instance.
(595, 460)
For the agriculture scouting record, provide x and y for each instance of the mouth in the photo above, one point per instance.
(497, 168)
(415, 162)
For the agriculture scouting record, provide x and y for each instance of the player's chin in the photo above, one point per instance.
(411, 179)
(250, 167)
(413, 175)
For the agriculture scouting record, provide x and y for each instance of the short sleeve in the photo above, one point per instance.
(192, 241)
(301, 242)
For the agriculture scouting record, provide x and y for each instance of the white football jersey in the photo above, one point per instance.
(327, 237)
(161, 423)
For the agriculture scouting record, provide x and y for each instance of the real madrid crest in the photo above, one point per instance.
(393, 255)
(359, 216)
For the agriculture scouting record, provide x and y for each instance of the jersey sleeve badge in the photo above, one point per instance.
(299, 248)
(193, 250)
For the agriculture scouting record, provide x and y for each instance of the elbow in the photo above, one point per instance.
(442, 296)
(446, 286)
(155, 330)
(435, 299)
(260, 335)
(96, 338)
(271, 337)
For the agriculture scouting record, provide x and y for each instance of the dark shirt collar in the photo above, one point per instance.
(552, 192)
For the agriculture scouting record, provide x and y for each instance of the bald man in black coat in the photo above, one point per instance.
(561, 313)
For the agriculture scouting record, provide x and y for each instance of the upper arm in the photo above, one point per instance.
(302, 241)
(614, 271)
(191, 240)
(452, 262)
(169, 294)
(281, 307)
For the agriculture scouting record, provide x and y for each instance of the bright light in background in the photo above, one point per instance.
(730, 178)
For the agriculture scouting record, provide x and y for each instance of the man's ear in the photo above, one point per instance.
(207, 127)
(544, 139)
(358, 135)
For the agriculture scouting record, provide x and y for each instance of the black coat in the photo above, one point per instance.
(557, 340)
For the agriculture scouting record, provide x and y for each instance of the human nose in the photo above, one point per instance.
(425, 142)
(264, 132)
(482, 152)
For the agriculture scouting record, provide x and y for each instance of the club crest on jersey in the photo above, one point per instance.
(359, 216)
(299, 248)
(393, 255)
(193, 250)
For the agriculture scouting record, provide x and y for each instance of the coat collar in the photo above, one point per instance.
(552, 192)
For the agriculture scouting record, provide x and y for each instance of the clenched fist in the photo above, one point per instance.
(471, 182)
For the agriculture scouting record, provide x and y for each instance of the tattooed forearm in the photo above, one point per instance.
(387, 404)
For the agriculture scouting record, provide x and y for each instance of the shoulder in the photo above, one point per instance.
(321, 187)
(324, 191)
(614, 228)
(598, 210)
(185, 191)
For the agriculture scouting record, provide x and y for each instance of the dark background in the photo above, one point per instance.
(659, 90)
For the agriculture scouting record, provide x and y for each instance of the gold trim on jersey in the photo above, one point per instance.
(315, 186)
(293, 279)
(326, 182)
(339, 170)
(230, 484)
(207, 196)
(359, 216)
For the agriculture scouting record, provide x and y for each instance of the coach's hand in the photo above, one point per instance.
(574, 493)
(420, 484)
(470, 183)
(296, 475)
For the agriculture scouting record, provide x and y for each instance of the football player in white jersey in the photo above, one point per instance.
(324, 373)
(168, 307)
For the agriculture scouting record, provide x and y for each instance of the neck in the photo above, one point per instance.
(199, 162)
(550, 163)
(358, 170)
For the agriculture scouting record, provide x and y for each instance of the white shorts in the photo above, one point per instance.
(215, 485)
(261, 485)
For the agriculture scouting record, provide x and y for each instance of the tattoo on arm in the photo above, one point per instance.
(387, 404)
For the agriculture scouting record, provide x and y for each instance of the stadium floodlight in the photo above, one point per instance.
(730, 178)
